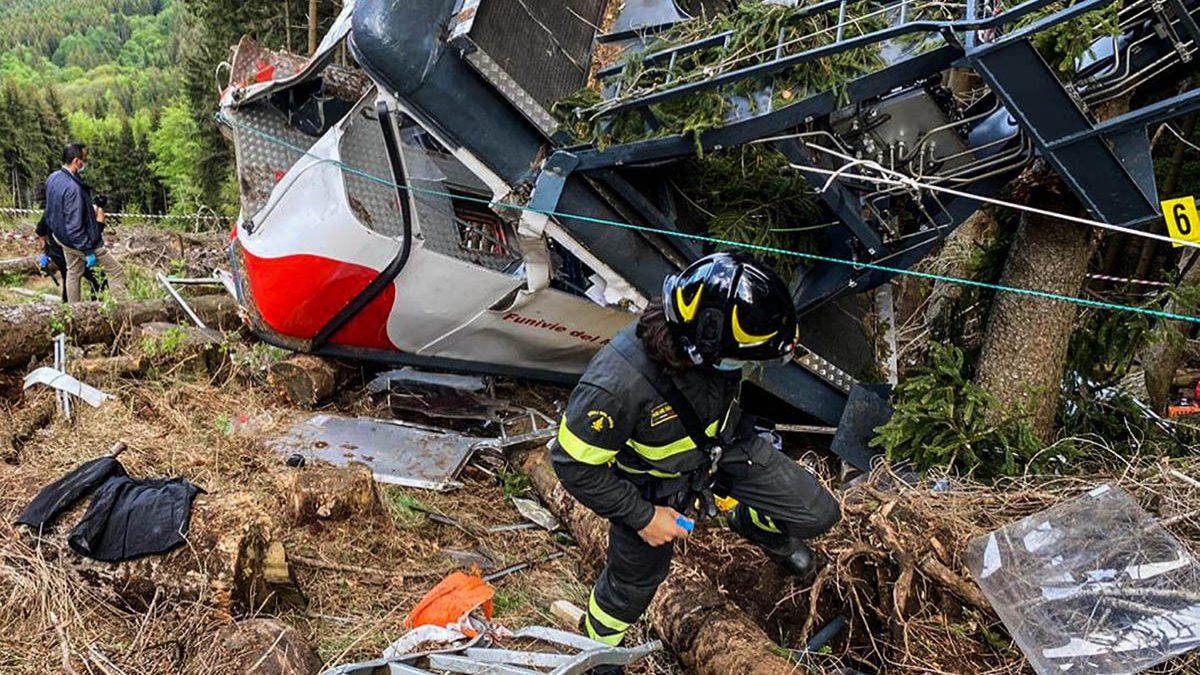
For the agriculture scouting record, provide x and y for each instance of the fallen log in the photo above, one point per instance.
(21, 267)
(199, 352)
(107, 367)
(19, 424)
(709, 634)
(305, 380)
(231, 563)
(27, 331)
(315, 493)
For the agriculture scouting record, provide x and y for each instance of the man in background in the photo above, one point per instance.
(72, 220)
(52, 261)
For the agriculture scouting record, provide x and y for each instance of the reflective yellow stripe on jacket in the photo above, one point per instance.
(581, 450)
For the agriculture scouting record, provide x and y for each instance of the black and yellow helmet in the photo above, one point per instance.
(729, 307)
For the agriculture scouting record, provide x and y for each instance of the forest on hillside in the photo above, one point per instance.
(137, 81)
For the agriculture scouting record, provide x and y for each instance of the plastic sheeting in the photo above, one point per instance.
(1092, 585)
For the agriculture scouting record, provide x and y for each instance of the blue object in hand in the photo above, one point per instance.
(43, 261)
(91, 260)
(686, 523)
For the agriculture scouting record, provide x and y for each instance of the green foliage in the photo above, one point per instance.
(166, 344)
(941, 421)
(141, 283)
(508, 600)
(750, 195)
(178, 157)
(756, 28)
(402, 506)
(513, 483)
(11, 279)
(1061, 45)
(60, 319)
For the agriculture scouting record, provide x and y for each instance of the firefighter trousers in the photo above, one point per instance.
(781, 498)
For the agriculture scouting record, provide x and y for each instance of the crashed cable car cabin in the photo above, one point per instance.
(407, 195)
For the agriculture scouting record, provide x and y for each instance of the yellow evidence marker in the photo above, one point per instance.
(1183, 224)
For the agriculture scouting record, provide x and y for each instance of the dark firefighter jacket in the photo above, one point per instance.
(618, 431)
(69, 212)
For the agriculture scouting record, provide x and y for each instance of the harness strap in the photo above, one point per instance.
(699, 479)
(666, 388)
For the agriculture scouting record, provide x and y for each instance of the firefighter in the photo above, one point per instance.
(653, 435)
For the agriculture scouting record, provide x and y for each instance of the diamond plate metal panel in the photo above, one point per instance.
(535, 52)
(372, 201)
(265, 152)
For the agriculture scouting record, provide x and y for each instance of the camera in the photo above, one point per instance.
(100, 200)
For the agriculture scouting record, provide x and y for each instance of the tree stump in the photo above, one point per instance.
(305, 380)
(266, 647)
(231, 562)
(322, 492)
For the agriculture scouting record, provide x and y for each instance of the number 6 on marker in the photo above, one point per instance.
(1183, 223)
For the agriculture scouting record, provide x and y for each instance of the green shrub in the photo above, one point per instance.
(941, 421)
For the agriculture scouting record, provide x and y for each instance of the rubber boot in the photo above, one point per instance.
(791, 554)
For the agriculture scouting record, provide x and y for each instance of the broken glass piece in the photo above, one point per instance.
(1092, 585)
(534, 512)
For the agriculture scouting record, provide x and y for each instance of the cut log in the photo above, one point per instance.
(183, 348)
(231, 562)
(305, 380)
(21, 267)
(265, 647)
(27, 331)
(93, 370)
(708, 633)
(19, 424)
(319, 492)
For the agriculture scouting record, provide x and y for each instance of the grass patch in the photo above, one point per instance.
(509, 601)
(141, 283)
(11, 279)
(402, 506)
(513, 483)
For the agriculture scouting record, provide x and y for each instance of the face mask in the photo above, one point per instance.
(82, 167)
(730, 365)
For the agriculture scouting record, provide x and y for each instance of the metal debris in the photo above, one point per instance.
(536, 513)
(396, 452)
(59, 380)
(572, 655)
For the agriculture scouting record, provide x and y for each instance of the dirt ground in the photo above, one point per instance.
(212, 432)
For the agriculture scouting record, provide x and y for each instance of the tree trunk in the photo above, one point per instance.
(1150, 247)
(957, 259)
(22, 267)
(315, 493)
(312, 26)
(265, 646)
(1025, 347)
(19, 424)
(27, 331)
(1161, 358)
(709, 634)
